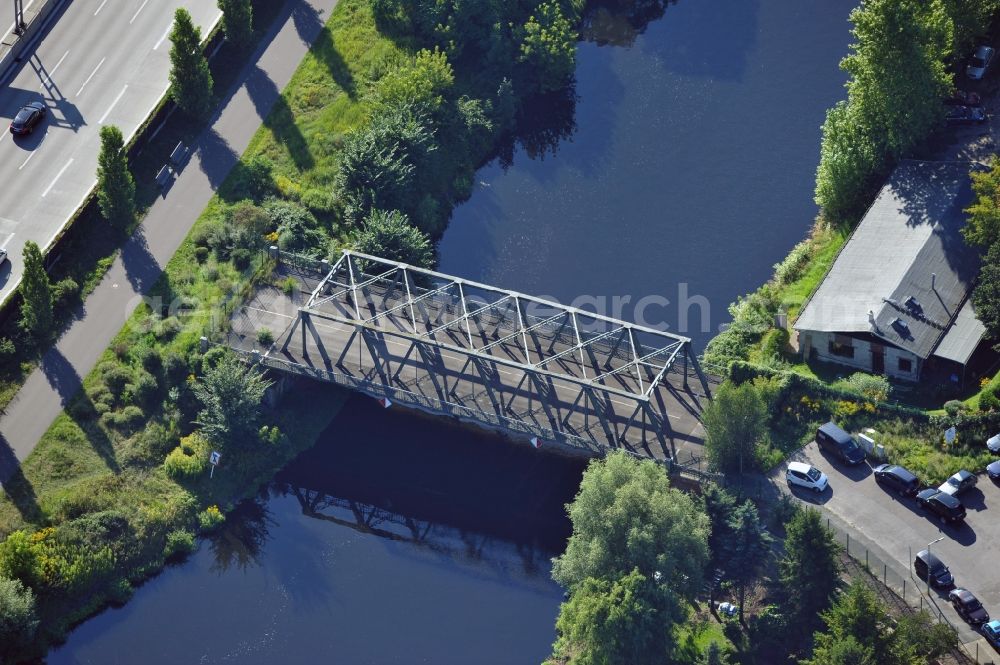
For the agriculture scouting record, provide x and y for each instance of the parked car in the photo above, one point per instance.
(991, 631)
(840, 443)
(993, 443)
(806, 475)
(993, 470)
(964, 98)
(968, 606)
(979, 62)
(30, 115)
(3, 255)
(958, 483)
(927, 565)
(964, 115)
(945, 506)
(897, 478)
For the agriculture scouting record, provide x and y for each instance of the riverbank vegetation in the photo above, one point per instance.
(640, 550)
(374, 140)
(900, 68)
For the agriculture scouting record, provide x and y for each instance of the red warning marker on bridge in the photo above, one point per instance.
(535, 442)
(384, 401)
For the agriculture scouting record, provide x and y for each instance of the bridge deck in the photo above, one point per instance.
(553, 401)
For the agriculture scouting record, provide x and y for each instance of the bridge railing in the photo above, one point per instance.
(441, 407)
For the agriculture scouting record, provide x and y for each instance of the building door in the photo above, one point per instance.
(878, 359)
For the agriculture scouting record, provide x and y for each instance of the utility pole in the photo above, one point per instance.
(19, 25)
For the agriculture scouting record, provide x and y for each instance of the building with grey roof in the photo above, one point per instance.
(896, 300)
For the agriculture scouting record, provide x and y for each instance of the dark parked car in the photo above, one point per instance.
(897, 478)
(26, 119)
(945, 506)
(964, 98)
(840, 443)
(993, 470)
(964, 115)
(968, 606)
(958, 483)
(927, 566)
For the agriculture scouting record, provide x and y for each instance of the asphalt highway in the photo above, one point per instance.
(101, 62)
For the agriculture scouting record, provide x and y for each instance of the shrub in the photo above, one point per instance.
(189, 459)
(126, 420)
(265, 337)
(242, 258)
(166, 328)
(149, 358)
(298, 230)
(790, 269)
(7, 349)
(953, 406)
(64, 292)
(18, 621)
(289, 285)
(175, 369)
(212, 357)
(201, 254)
(179, 544)
(873, 387)
(210, 518)
(251, 179)
(116, 376)
(143, 390)
(388, 234)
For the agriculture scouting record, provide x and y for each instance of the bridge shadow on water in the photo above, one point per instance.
(454, 489)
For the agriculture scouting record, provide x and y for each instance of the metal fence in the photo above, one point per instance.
(908, 593)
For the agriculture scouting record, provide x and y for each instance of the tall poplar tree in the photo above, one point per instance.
(237, 21)
(36, 310)
(115, 185)
(190, 78)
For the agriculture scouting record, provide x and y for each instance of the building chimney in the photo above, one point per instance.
(933, 279)
(871, 320)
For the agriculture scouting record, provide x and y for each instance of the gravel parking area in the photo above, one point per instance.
(894, 529)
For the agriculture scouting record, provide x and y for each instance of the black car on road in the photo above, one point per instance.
(897, 479)
(945, 506)
(27, 118)
(928, 567)
(968, 606)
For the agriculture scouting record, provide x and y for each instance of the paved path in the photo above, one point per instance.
(100, 62)
(141, 262)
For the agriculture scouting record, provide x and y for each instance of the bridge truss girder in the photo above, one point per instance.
(565, 361)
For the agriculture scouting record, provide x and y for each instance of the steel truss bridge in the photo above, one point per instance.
(499, 358)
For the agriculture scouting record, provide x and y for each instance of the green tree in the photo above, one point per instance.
(986, 295)
(843, 651)
(897, 68)
(850, 162)
(190, 78)
(237, 21)
(810, 569)
(548, 49)
(982, 227)
(115, 185)
(426, 83)
(748, 545)
(609, 622)
(231, 394)
(389, 235)
(735, 422)
(36, 309)
(714, 655)
(627, 517)
(18, 621)
(858, 613)
(719, 505)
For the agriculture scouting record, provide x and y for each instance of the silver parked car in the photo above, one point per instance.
(958, 483)
(980, 62)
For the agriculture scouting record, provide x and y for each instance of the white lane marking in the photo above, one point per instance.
(30, 155)
(117, 99)
(52, 71)
(165, 35)
(7, 241)
(58, 175)
(100, 8)
(90, 77)
(141, 7)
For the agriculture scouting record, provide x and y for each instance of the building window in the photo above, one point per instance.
(905, 365)
(840, 346)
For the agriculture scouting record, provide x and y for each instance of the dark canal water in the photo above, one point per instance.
(688, 173)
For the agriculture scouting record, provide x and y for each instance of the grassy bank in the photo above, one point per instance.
(95, 507)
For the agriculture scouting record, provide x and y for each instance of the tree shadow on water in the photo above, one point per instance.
(16, 487)
(238, 542)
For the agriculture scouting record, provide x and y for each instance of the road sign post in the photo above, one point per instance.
(213, 459)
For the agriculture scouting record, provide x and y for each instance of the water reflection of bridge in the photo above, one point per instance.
(500, 554)
(498, 358)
